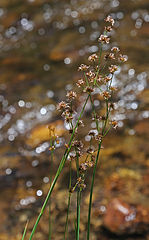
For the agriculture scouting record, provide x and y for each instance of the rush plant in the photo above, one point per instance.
(96, 80)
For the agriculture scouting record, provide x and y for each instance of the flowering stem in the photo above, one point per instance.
(68, 208)
(94, 171)
(25, 230)
(78, 213)
(62, 163)
(50, 218)
(91, 192)
(93, 108)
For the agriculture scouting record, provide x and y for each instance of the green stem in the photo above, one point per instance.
(94, 171)
(86, 79)
(50, 218)
(93, 108)
(62, 163)
(78, 196)
(78, 213)
(25, 230)
(91, 192)
(68, 208)
(107, 115)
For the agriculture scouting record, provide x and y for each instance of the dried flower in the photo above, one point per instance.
(122, 58)
(110, 56)
(109, 19)
(108, 28)
(106, 95)
(112, 68)
(80, 82)
(66, 145)
(83, 186)
(90, 150)
(78, 145)
(91, 133)
(62, 106)
(114, 124)
(83, 167)
(80, 123)
(115, 49)
(88, 89)
(83, 67)
(113, 89)
(52, 148)
(111, 105)
(93, 57)
(68, 118)
(99, 137)
(100, 79)
(104, 39)
(71, 95)
(107, 79)
(91, 74)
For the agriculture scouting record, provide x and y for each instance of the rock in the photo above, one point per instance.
(123, 218)
(41, 133)
(142, 128)
(64, 47)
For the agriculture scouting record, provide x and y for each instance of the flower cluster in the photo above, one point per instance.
(54, 139)
(96, 81)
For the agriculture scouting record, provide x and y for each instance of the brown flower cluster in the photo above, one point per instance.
(54, 139)
(96, 80)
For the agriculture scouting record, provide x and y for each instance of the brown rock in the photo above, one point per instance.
(123, 218)
(41, 133)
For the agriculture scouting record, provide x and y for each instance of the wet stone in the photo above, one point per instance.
(124, 218)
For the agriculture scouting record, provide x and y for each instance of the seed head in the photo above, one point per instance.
(82, 185)
(108, 28)
(115, 49)
(93, 57)
(110, 20)
(71, 95)
(107, 79)
(80, 82)
(111, 105)
(62, 106)
(114, 89)
(78, 145)
(109, 56)
(100, 79)
(112, 68)
(88, 89)
(83, 67)
(81, 123)
(114, 124)
(104, 39)
(106, 95)
(91, 133)
(122, 58)
(90, 150)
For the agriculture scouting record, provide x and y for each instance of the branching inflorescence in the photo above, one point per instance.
(96, 80)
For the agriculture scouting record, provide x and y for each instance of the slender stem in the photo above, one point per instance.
(78, 213)
(69, 198)
(50, 218)
(25, 230)
(107, 131)
(94, 171)
(93, 108)
(78, 197)
(62, 163)
(91, 192)
(86, 79)
(107, 115)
